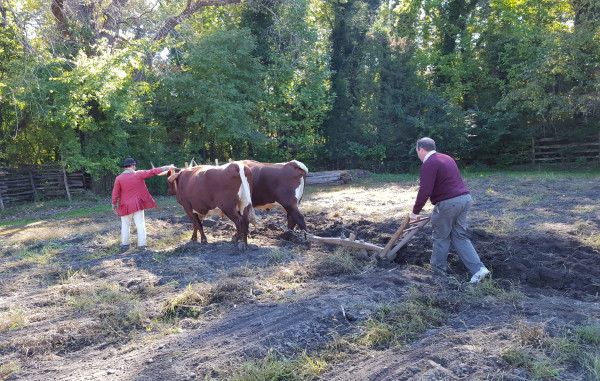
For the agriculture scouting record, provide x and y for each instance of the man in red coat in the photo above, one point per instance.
(441, 183)
(130, 197)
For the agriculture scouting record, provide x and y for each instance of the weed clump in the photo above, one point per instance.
(196, 298)
(544, 356)
(399, 323)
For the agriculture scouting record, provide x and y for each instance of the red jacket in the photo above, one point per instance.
(131, 189)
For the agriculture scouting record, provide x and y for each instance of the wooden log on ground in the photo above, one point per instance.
(328, 178)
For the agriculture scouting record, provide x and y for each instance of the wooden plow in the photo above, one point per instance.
(388, 253)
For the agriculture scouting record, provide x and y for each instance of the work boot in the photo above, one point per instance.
(479, 275)
(123, 248)
(141, 248)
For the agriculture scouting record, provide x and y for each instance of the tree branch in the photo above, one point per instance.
(190, 8)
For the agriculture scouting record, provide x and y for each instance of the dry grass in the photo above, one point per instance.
(391, 200)
(197, 298)
(586, 209)
(545, 356)
(118, 298)
(52, 229)
(60, 337)
(587, 233)
(13, 319)
(8, 368)
(505, 223)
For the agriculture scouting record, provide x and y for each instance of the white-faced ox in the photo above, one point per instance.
(207, 190)
(282, 185)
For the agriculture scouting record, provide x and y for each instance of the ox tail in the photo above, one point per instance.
(300, 165)
(245, 197)
(303, 170)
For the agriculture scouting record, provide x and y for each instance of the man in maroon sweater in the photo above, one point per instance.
(441, 183)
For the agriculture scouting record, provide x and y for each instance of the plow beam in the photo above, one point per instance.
(350, 242)
(390, 254)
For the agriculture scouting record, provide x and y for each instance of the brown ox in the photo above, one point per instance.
(280, 184)
(207, 188)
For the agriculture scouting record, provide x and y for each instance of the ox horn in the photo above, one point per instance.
(152, 165)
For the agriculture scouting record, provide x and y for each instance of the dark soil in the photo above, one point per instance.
(539, 236)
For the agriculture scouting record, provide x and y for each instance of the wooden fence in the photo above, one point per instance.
(551, 150)
(32, 183)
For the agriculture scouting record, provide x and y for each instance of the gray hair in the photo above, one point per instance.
(427, 144)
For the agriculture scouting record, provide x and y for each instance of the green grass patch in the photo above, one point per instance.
(489, 288)
(545, 357)
(537, 364)
(103, 252)
(396, 324)
(378, 178)
(8, 369)
(88, 209)
(42, 256)
(273, 367)
(12, 319)
(69, 214)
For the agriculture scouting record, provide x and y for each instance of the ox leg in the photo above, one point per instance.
(202, 235)
(197, 224)
(241, 229)
(294, 217)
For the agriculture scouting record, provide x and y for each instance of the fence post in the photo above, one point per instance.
(35, 193)
(65, 179)
(533, 150)
(1, 202)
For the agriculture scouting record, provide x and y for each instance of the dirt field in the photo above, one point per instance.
(72, 307)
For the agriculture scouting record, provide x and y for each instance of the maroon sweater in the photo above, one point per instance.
(440, 180)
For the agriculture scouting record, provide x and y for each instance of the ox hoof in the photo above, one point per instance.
(242, 246)
(287, 235)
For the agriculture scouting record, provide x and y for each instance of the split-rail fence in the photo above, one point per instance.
(37, 182)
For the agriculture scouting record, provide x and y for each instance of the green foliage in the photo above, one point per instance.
(206, 103)
(331, 83)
